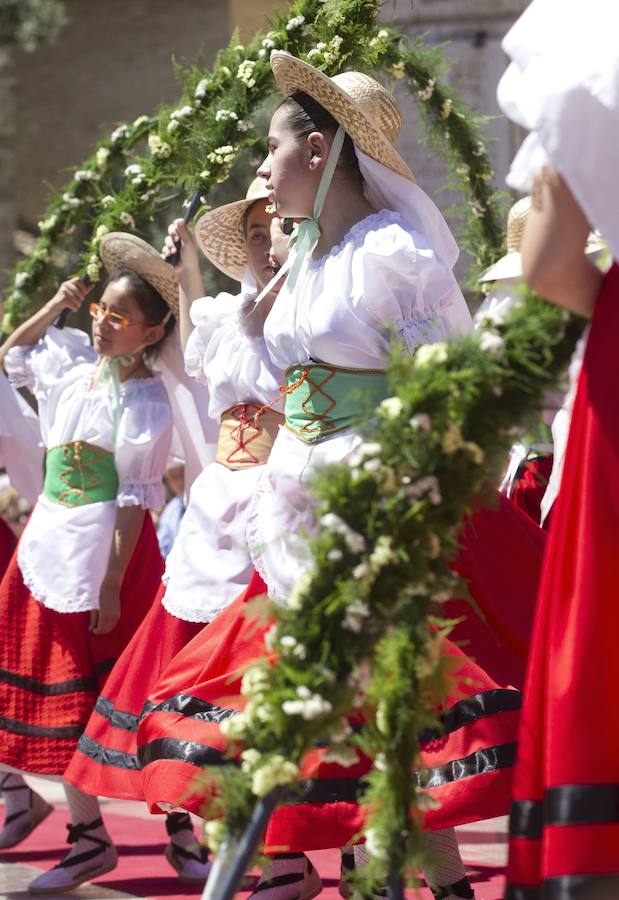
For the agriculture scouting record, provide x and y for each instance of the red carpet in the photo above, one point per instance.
(143, 871)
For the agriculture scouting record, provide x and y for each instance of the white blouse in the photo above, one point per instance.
(343, 310)
(209, 564)
(21, 447)
(63, 552)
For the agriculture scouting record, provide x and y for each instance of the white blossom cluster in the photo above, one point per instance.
(295, 22)
(221, 155)
(101, 157)
(354, 541)
(245, 73)
(86, 175)
(426, 93)
(120, 134)
(158, 148)
(308, 705)
(135, 174)
(223, 115)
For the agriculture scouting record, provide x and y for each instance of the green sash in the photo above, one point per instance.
(322, 400)
(78, 473)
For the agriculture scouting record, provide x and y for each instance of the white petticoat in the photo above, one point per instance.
(209, 564)
(282, 514)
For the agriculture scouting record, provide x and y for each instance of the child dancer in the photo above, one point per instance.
(209, 563)
(87, 565)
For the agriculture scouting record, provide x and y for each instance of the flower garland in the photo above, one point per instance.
(362, 632)
(135, 172)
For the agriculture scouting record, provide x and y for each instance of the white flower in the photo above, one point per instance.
(201, 88)
(354, 541)
(372, 465)
(382, 554)
(215, 832)
(272, 773)
(446, 108)
(249, 758)
(335, 555)
(222, 115)
(421, 422)
(141, 120)
(356, 612)
(107, 200)
(71, 202)
(86, 175)
(314, 53)
(361, 571)
(158, 148)
(173, 126)
(262, 53)
(225, 71)
(463, 170)
(380, 762)
(133, 169)
(101, 231)
(242, 125)
(431, 353)
(300, 589)
(374, 846)
(268, 44)
(342, 755)
(295, 22)
(255, 680)
(182, 113)
(391, 407)
(49, 223)
(127, 219)
(234, 727)
(303, 692)
(478, 209)
(480, 149)
(308, 707)
(245, 73)
(398, 70)
(101, 156)
(120, 134)
(93, 269)
(382, 35)
(491, 342)
(427, 91)
(21, 280)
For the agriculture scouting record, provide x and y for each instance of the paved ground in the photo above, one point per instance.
(143, 872)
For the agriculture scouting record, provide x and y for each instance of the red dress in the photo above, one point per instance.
(468, 768)
(52, 668)
(564, 824)
(7, 545)
(531, 487)
(105, 762)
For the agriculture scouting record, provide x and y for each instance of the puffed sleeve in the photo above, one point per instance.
(398, 282)
(207, 315)
(42, 365)
(143, 444)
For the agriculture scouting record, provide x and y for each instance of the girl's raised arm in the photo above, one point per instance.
(70, 294)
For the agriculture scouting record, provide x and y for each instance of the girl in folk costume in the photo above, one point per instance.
(87, 566)
(564, 823)
(373, 253)
(21, 454)
(209, 563)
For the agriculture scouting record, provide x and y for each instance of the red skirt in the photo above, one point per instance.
(564, 823)
(531, 486)
(467, 768)
(105, 762)
(7, 546)
(52, 668)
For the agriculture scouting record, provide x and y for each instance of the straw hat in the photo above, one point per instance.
(121, 250)
(363, 107)
(220, 232)
(510, 265)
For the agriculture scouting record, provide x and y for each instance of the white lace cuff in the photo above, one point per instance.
(148, 495)
(16, 366)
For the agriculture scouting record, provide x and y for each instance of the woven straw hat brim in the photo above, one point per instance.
(292, 74)
(220, 236)
(121, 250)
(510, 265)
